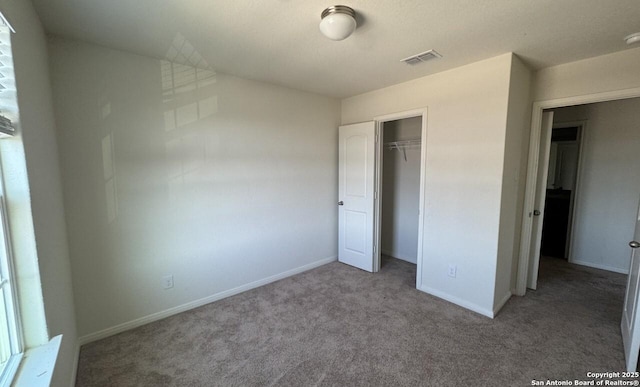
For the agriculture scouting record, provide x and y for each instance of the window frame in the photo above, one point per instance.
(9, 295)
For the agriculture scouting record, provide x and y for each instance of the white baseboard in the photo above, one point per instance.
(197, 303)
(458, 301)
(395, 254)
(514, 292)
(74, 371)
(500, 304)
(601, 267)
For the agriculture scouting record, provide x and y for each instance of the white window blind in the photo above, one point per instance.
(8, 100)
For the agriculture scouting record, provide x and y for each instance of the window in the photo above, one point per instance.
(10, 334)
(10, 338)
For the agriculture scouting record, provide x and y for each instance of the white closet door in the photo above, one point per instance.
(356, 194)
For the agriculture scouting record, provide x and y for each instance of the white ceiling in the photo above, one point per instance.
(278, 41)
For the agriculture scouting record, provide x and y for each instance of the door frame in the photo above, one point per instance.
(526, 234)
(377, 225)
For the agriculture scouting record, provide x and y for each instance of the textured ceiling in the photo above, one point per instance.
(278, 41)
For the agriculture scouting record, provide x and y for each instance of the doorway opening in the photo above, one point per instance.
(361, 149)
(586, 191)
(400, 189)
(604, 206)
(603, 182)
(561, 189)
(399, 207)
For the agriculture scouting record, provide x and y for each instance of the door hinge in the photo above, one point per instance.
(375, 195)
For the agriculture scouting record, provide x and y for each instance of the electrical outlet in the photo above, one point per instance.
(453, 269)
(167, 281)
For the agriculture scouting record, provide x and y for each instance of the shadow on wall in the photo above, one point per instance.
(188, 96)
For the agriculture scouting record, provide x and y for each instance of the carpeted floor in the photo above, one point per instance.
(339, 326)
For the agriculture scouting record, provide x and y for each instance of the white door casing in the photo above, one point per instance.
(380, 121)
(356, 165)
(541, 190)
(526, 233)
(630, 324)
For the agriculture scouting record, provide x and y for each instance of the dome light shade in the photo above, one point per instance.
(338, 22)
(633, 38)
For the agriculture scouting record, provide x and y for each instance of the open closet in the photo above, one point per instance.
(401, 188)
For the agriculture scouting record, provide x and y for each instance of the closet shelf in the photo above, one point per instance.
(403, 145)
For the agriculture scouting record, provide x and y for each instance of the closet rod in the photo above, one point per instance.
(403, 145)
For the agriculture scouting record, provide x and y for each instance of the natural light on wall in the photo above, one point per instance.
(10, 337)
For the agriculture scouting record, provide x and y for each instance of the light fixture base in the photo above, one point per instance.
(338, 9)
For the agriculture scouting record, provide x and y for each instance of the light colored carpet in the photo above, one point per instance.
(339, 326)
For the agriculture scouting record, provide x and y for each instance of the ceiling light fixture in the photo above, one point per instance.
(338, 22)
(633, 38)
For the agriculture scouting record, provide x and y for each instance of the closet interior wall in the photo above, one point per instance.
(401, 190)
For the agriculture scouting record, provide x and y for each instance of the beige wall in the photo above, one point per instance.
(617, 71)
(608, 190)
(513, 181)
(466, 131)
(222, 182)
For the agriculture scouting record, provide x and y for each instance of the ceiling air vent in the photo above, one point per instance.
(422, 57)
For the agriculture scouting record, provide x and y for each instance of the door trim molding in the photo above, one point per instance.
(380, 120)
(532, 167)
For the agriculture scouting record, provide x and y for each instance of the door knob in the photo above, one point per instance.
(340, 203)
(536, 213)
(634, 244)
